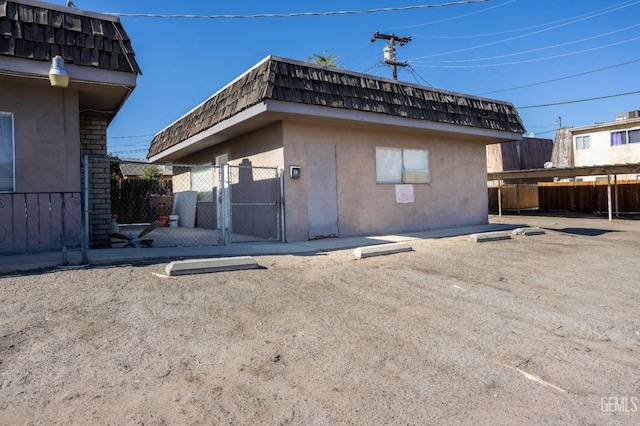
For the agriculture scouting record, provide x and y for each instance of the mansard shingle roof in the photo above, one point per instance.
(40, 31)
(303, 83)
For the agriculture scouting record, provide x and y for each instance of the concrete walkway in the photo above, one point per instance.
(128, 256)
(584, 225)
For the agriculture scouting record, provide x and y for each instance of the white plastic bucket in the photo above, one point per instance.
(173, 221)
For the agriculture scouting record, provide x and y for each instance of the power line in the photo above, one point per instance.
(580, 100)
(539, 48)
(529, 60)
(507, 31)
(130, 137)
(523, 35)
(297, 14)
(450, 19)
(559, 79)
(417, 76)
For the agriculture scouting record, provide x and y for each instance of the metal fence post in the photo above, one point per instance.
(221, 214)
(281, 203)
(83, 241)
(85, 205)
(63, 237)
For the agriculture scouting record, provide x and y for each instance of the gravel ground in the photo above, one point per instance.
(534, 330)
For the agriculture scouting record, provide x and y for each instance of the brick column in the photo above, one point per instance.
(93, 140)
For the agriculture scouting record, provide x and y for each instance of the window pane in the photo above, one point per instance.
(618, 138)
(388, 165)
(6, 151)
(634, 136)
(415, 159)
(202, 181)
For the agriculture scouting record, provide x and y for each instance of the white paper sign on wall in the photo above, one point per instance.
(404, 194)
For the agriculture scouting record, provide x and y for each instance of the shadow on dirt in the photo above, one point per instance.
(586, 232)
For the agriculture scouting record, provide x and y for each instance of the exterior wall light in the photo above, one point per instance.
(58, 75)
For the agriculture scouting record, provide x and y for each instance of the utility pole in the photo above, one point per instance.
(390, 50)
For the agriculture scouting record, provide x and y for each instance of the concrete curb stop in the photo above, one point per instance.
(204, 266)
(381, 250)
(489, 236)
(528, 231)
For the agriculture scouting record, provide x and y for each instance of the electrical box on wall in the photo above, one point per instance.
(294, 172)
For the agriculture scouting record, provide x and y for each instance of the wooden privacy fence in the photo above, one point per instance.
(523, 196)
(589, 197)
(586, 197)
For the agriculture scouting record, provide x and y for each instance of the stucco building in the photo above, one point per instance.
(361, 154)
(46, 130)
(615, 142)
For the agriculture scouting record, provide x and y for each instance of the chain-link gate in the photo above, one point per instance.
(254, 203)
(172, 205)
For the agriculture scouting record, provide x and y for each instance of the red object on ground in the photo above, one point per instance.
(164, 221)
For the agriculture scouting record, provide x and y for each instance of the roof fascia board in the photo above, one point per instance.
(293, 109)
(630, 122)
(20, 67)
(384, 119)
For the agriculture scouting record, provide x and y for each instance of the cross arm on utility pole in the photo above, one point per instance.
(391, 58)
(392, 37)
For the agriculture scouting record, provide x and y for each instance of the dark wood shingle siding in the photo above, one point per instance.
(296, 82)
(38, 33)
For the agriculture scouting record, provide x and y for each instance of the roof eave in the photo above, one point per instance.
(271, 110)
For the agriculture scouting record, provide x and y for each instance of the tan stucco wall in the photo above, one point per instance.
(262, 147)
(47, 137)
(456, 196)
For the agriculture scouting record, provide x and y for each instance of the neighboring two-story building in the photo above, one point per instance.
(608, 143)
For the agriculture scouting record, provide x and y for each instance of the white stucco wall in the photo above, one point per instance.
(600, 151)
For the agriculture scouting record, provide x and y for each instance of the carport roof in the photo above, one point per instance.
(567, 172)
(285, 80)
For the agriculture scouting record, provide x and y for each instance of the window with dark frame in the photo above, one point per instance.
(7, 160)
(625, 136)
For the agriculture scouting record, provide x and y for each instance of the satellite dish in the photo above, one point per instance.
(548, 165)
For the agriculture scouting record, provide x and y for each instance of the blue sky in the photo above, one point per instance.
(479, 48)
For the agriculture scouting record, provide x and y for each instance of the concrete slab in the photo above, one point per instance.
(490, 236)
(381, 250)
(204, 266)
(528, 231)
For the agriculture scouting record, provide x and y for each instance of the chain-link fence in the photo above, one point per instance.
(172, 205)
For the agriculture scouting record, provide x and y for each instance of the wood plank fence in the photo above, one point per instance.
(589, 197)
(523, 195)
(586, 197)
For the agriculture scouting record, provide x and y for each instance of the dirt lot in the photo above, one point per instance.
(535, 330)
